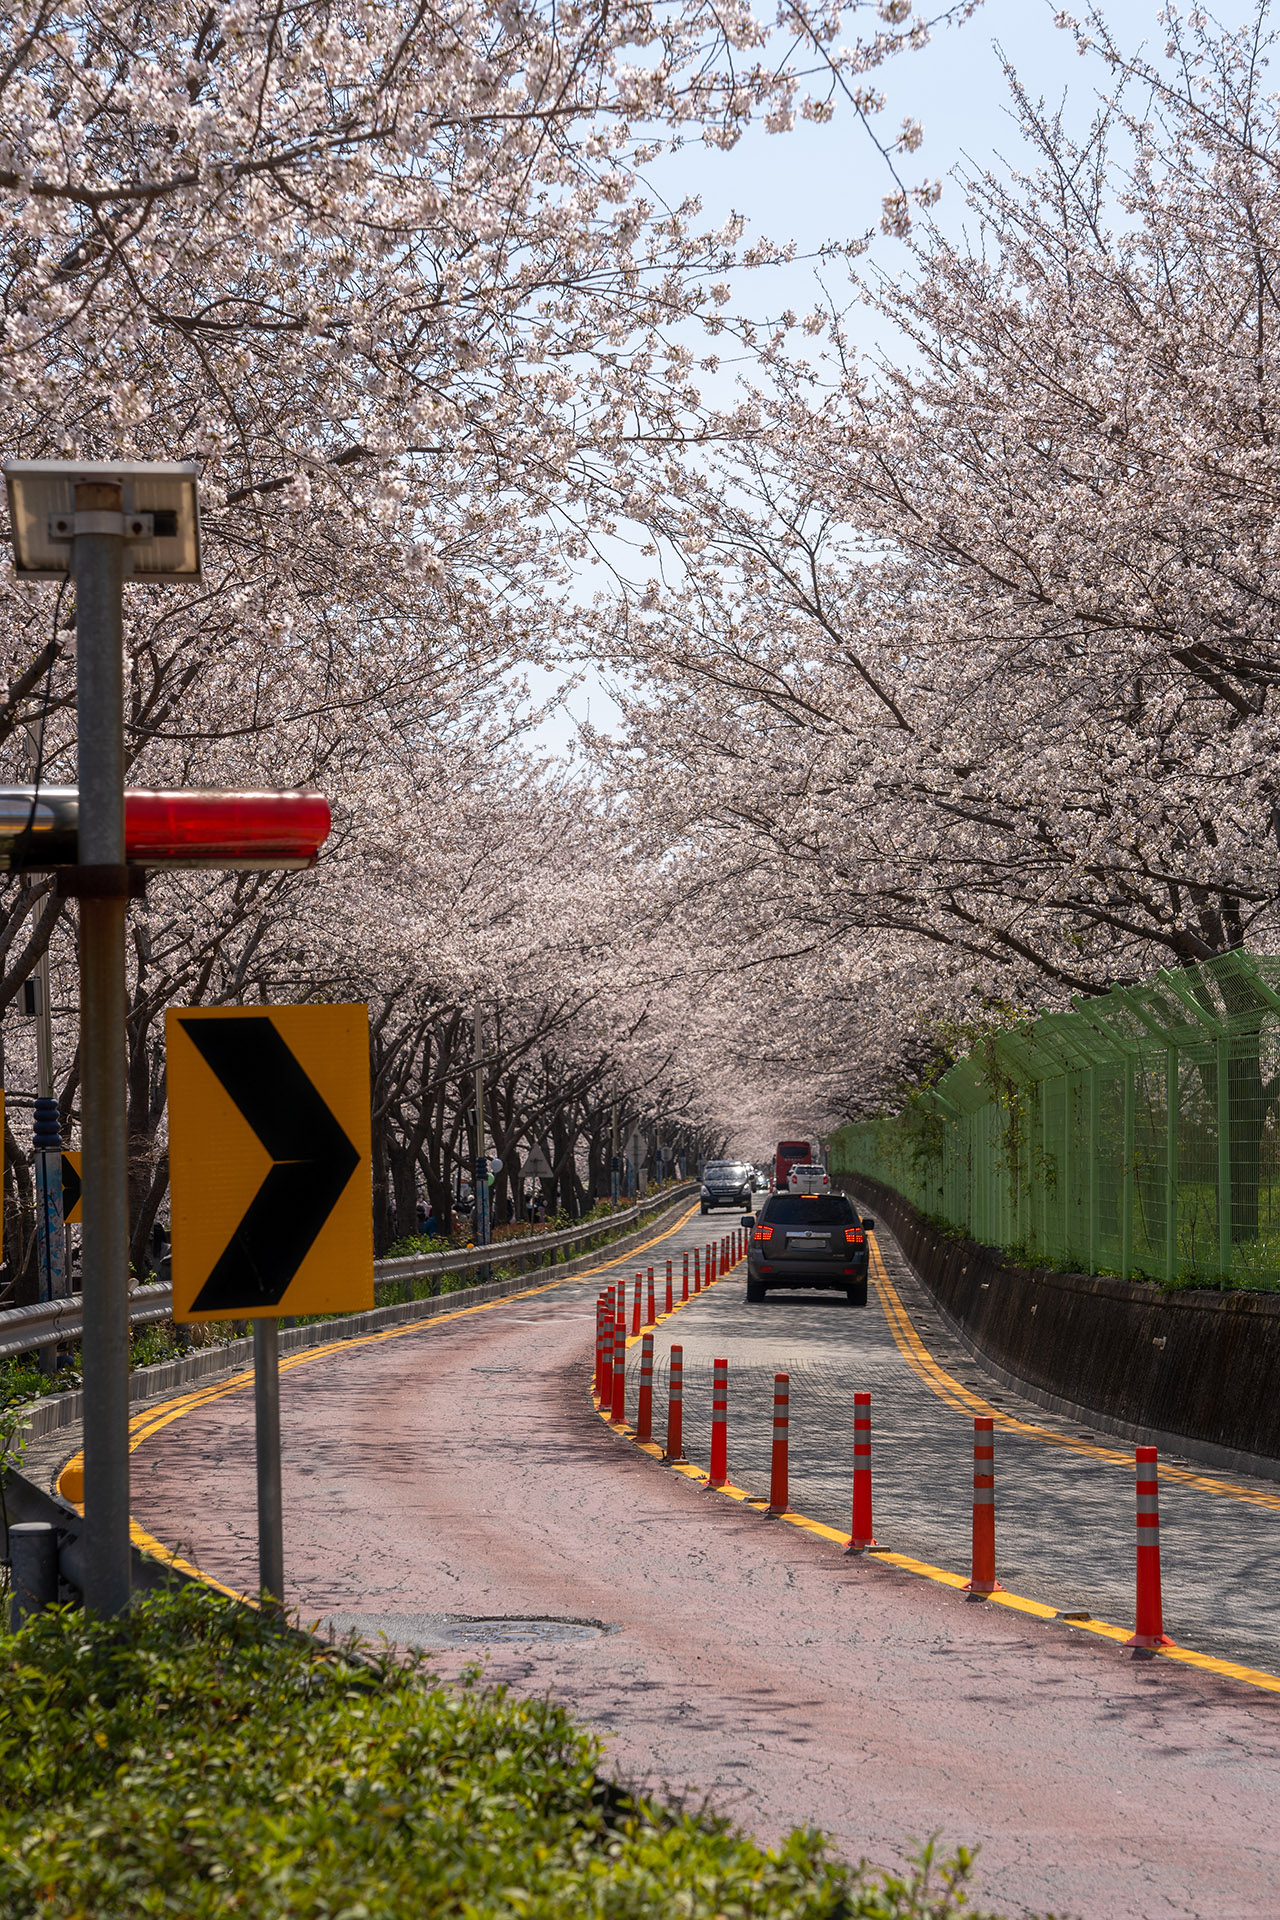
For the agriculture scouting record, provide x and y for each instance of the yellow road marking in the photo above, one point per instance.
(964, 1400)
(71, 1479)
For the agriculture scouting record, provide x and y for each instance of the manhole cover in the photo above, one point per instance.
(506, 1628)
(463, 1629)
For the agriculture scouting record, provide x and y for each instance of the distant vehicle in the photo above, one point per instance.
(808, 1179)
(789, 1152)
(759, 1180)
(808, 1240)
(725, 1183)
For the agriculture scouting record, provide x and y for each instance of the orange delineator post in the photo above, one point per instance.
(781, 1418)
(983, 1579)
(675, 1405)
(597, 1383)
(651, 1319)
(861, 1536)
(671, 1305)
(719, 1436)
(635, 1308)
(644, 1408)
(618, 1406)
(697, 1271)
(604, 1356)
(685, 1294)
(1149, 1615)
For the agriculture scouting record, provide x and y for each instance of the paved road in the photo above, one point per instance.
(459, 1470)
(1064, 1512)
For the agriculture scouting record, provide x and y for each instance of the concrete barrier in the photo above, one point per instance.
(1195, 1371)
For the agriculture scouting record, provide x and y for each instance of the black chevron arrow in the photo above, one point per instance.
(313, 1161)
(70, 1188)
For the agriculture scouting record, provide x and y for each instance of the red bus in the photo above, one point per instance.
(791, 1153)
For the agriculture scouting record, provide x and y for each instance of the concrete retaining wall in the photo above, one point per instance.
(1200, 1367)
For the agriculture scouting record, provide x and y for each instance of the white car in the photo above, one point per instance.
(809, 1179)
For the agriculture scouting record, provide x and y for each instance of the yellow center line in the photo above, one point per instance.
(964, 1400)
(957, 1395)
(152, 1420)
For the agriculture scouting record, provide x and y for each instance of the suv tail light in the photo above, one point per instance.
(855, 1236)
(762, 1233)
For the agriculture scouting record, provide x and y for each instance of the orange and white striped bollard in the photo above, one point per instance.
(983, 1579)
(618, 1408)
(604, 1381)
(685, 1294)
(635, 1308)
(597, 1384)
(651, 1319)
(671, 1305)
(697, 1271)
(675, 1404)
(861, 1536)
(719, 1423)
(781, 1422)
(644, 1407)
(1148, 1626)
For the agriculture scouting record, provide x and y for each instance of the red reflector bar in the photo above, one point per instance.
(183, 828)
(225, 829)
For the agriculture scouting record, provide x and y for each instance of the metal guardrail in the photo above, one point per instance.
(28, 1329)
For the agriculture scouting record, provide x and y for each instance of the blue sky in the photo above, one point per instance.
(827, 182)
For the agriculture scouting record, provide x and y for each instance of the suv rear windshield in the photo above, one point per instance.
(798, 1209)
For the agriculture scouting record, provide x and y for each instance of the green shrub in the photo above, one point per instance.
(198, 1759)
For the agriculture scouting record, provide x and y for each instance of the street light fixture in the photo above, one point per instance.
(152, 508)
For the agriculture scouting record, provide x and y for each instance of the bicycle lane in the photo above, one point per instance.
(464, 1472)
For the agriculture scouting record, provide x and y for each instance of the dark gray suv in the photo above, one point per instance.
(726, 1183)
(808, 1240)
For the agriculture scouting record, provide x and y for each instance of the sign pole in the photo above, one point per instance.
(482, 1164)
(266, 1415)
(99, 562)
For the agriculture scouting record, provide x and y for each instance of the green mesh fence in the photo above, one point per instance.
(1135, 1135)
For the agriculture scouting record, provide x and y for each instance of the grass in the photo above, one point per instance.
(22, 1378)
(199, 1759)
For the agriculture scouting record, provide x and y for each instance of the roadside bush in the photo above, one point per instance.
(199, 1759)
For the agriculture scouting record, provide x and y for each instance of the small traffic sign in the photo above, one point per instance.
(536, 1165)
(70, 1188)
(269, 1161)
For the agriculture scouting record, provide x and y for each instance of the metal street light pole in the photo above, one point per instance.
(104, 1207)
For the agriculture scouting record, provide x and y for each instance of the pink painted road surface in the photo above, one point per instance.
(460, 1471)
